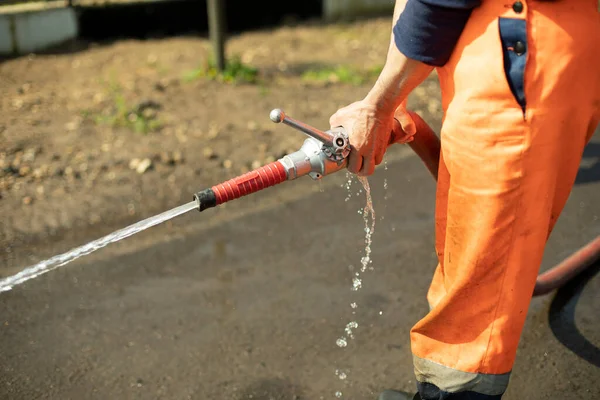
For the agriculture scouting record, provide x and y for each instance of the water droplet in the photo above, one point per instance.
(341, 342)
(340, 374)
(380, 312)
(349, 327)
(348, 185)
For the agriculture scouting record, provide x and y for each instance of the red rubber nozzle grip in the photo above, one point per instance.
(251, 182)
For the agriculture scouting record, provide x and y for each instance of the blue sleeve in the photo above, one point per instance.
(427, 30)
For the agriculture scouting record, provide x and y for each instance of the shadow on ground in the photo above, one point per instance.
(590, 173)
(562, 317)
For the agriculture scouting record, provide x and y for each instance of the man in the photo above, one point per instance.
(521, 98)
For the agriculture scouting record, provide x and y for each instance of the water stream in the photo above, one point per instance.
(368, 214)
(63, 259)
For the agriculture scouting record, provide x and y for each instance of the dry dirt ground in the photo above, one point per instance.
(99, 135)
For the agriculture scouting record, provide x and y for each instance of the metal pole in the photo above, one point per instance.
(216, 26)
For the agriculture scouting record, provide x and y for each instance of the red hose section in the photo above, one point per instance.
(251, 182)
(569, 268)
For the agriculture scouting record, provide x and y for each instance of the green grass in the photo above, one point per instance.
(341, 74)
(235, 71)
(137, 118)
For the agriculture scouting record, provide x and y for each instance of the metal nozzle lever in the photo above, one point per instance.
(277, 116)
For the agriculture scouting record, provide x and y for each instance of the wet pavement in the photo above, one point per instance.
(247, 302)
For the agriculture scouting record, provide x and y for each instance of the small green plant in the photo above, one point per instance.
(140, 118)
(235, 71)
(341, 74)
(263, 90)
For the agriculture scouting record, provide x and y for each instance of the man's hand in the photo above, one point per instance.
(369, 129)
(369, 121)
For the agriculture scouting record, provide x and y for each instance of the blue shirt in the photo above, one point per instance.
(428, 30)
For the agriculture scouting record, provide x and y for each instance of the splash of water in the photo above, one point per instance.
(385, 181)
(340, 374)
(351, 325)
(368, 214)
(348, 185)
(369, 229)
(63, 259)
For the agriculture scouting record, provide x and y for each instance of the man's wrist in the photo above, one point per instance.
(399, 77)
(383, 102)
(390, 89)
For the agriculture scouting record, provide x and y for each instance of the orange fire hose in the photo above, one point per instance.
(426, 145)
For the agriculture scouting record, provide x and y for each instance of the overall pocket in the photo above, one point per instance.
(513, 35)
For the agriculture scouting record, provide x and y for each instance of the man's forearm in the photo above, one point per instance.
(393, 85)
(424, 33)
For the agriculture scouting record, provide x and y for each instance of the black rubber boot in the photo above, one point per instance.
(395, 395)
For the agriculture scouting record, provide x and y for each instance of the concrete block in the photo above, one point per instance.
(31, 31)
(6, 36)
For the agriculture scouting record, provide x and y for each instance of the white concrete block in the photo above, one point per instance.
(6, 37)
(25, 31)
(39, 30)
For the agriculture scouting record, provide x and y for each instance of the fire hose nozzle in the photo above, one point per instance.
(321, 154)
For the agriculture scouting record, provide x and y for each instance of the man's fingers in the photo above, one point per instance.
(379, 157)
(355, 161)
(368, 166)
(339, 117)
(333, 120)
(407, 123)
(405, 119)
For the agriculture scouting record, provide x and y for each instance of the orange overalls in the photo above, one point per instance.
(521, 98)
